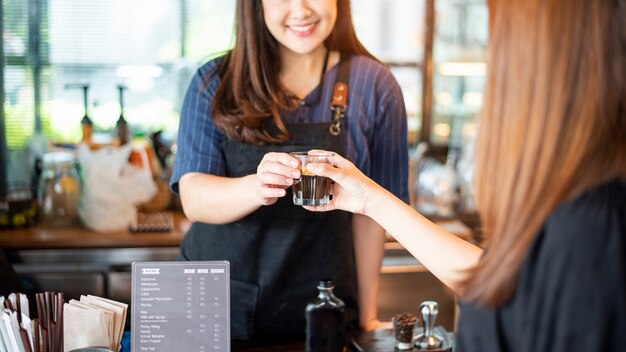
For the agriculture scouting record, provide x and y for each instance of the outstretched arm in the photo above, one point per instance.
(445, 255)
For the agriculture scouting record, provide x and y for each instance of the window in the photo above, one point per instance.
(393, 30)
(18, 85)
(152, 47)
(459, 55)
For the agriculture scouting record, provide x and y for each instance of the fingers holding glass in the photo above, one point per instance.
(276, 172)
(351, 188)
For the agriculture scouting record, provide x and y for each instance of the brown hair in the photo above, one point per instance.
(250, 96)
(553, 125)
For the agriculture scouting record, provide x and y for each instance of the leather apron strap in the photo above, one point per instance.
(339, 103)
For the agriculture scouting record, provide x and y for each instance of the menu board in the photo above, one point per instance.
(180, 306)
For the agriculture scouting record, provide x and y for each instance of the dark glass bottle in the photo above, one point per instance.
(325, 321)
(122, 126)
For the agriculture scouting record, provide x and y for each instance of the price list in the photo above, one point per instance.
(180, 306)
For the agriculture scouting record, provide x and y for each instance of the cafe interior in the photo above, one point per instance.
(90, 88)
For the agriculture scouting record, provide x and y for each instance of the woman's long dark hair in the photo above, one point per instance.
(250, 95)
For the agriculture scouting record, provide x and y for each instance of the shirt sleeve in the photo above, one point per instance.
(198, 147)
(389, 149)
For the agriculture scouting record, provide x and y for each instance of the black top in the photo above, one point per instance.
(571, 289)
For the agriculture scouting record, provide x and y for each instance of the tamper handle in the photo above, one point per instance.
(429, 311)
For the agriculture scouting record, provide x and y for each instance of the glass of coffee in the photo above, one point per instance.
(310, 189)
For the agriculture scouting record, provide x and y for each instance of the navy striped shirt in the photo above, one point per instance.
(376, 123)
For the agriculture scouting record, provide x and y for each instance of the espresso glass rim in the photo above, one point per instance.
(306, 154)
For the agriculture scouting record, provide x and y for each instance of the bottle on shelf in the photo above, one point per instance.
(325, 320)
(86, 123)
(122, 124)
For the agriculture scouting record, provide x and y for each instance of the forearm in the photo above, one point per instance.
(369, 240)
(443, 254)
(217, 200)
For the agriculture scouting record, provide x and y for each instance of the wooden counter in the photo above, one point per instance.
(40, 237)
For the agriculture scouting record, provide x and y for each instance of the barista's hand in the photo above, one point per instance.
(352, 189)
(274, 175)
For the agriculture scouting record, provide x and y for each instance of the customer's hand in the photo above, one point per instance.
(351, 190)
(274, 175)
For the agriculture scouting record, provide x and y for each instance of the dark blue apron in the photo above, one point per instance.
(278, 253)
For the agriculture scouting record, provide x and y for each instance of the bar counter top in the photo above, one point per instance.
(40, 237)
(371, 341)
(78, 237)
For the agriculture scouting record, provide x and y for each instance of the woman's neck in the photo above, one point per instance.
(300, 74)
(310, 63)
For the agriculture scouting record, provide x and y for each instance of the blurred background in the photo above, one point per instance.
(65, 60)
(436, 50)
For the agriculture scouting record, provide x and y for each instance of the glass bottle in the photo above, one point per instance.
(325, 321)
(59, 190)
(122, 124)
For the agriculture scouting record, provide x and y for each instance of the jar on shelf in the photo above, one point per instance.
(59, 190)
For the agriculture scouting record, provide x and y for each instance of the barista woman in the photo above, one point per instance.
(243, 112)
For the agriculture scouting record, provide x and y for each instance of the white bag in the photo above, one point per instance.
(112, 187)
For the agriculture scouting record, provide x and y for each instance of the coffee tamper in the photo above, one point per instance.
(427, 340)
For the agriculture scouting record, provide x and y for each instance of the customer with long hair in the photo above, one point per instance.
(270, 95)
(550, 186)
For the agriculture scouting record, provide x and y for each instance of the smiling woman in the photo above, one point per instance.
(242, 115)
(257, 94)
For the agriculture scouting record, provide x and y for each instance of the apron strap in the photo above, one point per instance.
(339, 103)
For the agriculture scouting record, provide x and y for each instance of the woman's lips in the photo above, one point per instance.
(303, 30)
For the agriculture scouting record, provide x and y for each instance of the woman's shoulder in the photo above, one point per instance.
(367, 65)
(594, 205)
(209, 70)
(593, 220)
(206, 78)
(372, 73)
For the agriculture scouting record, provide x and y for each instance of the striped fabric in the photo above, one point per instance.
(376, 123)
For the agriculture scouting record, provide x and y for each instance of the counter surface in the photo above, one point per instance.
(40, 237)
(371, 341)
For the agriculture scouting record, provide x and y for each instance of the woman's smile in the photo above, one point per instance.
(303, 30)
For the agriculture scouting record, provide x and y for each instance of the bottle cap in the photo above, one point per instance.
(325, 284)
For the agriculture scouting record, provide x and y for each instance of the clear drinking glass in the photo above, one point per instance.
(309, 189)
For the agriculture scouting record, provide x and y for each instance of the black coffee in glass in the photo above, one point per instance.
(309, 189)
